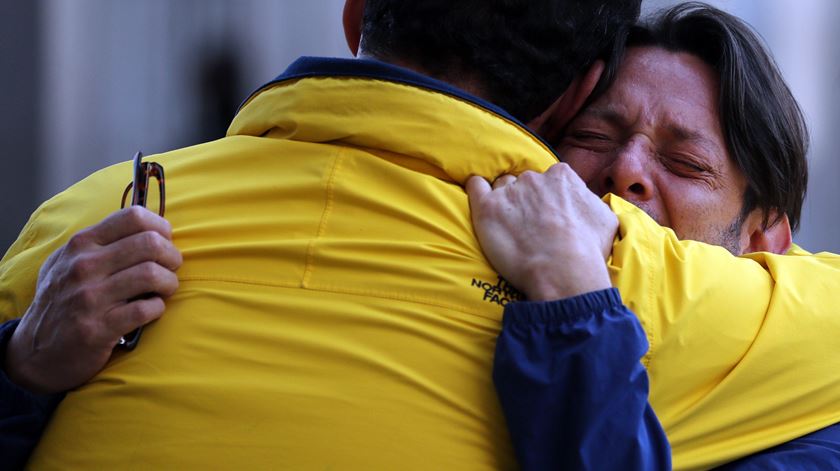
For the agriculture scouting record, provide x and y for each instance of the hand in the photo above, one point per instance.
(546, 234)
(86, 298)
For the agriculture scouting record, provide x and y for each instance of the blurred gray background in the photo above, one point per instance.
(86, 83)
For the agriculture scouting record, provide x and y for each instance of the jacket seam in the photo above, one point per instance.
(309, 266)
(339, 290)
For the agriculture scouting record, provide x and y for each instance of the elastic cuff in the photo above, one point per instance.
(562, 310)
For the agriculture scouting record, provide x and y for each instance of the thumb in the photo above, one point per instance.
(477, 187)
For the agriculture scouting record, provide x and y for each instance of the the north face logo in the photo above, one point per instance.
(499, 293)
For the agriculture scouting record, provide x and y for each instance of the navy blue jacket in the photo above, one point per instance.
(23, 415)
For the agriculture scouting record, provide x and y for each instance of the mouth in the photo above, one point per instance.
(644, 206)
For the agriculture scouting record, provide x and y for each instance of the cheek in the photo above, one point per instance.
(697, 213)
(583, 162)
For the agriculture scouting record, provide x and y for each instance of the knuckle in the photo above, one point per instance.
(86, 298)
(567, 170)
(135, 216)
(560, 170)
(78, 241)
(528, 176)
(153, 242)
(169, 284)
(81, 268)
(167, 226)
(178, 258)
(147, 271)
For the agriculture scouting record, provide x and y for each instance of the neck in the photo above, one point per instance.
(467, 84)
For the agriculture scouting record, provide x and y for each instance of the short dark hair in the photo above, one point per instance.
(763, 126)
(521, 54)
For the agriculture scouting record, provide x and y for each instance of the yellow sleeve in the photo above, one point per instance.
(20, 266)
(49, 227)
(742, 352)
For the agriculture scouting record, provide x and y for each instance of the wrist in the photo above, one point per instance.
(15, 367)
(568, 277)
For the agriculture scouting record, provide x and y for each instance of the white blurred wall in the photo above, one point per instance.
(116, 76)
(119, 76)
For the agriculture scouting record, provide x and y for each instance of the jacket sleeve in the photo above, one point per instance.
(818, 450)
(23, 415)
(573, 390)
(742, 350)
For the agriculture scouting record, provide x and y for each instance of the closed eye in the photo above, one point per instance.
(686, 167)
(593, 141)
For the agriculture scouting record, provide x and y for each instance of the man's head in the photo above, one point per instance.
(518, 54)
(701, 131)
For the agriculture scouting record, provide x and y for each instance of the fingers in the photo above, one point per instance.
(123, 239)
(94, 263)
(127, 317)
(563, 172)
(477, 188)
(503, 181)
(146, 246)
(147, 277)
(126, 222)
(131, 284)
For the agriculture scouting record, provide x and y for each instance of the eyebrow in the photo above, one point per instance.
(684, 134)
(608, 114)
(615, 118)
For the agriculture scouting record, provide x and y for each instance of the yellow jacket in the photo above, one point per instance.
(330, 314)
(335, 309)
(743, 351)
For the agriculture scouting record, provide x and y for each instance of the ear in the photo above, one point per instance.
(756, 238)
(354, 11)
(552, 121)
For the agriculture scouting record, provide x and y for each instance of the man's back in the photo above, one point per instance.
(334, 308)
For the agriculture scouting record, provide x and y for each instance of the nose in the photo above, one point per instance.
(629, 173)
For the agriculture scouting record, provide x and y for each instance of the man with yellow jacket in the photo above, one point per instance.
(332, 304)
(329, 310)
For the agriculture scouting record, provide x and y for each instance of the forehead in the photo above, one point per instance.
(659, 88)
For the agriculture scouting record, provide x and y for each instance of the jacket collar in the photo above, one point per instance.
(462, 136)
(305, 67)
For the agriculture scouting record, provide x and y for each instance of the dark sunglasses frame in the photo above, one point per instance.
(143, 172)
